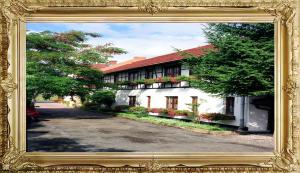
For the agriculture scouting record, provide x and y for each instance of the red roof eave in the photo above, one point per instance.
(160, 59)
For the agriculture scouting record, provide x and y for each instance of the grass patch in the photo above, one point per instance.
(171, 122)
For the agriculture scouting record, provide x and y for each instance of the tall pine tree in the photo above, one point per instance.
(242, 63)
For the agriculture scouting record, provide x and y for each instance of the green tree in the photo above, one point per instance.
(241, 63)
(59, 63)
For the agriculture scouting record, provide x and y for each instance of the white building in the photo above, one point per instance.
(159, 82)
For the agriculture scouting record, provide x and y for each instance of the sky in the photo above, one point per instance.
(138, 39)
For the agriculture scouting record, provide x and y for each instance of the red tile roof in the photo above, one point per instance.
(158, 60)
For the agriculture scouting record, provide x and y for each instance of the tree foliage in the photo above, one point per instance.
(59, 63)
(242, 62)
(103, 97)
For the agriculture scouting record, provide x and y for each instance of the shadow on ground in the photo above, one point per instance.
(73, 113)
(64, 145)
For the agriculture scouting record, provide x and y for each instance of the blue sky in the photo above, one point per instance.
(138, 39)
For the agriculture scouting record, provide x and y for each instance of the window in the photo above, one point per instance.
(230, 105)
(157, 72)
(132, 100)
(172, 71)
(149, 73)
(109, 78)
(122, 76)
(172, 102)
(133, 76)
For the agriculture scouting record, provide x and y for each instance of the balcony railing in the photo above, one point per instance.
(157, 80)
(161, 82)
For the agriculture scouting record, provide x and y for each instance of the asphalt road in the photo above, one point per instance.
(62, 129)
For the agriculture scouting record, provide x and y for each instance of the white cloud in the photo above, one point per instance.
(151, 40)
(150, 47)
(144, 39)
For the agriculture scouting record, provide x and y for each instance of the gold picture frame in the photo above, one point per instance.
(282, 13)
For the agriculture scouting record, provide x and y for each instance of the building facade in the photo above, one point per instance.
(163, 82)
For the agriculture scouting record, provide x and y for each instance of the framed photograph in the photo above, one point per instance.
(149, 86)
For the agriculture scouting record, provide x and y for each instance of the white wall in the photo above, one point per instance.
(237, 109)
(208, 103)
(257, 119)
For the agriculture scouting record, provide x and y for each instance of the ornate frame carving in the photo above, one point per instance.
(286, 157)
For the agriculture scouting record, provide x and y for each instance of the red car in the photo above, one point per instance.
(32, 113)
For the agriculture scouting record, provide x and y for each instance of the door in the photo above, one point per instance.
(132, 100)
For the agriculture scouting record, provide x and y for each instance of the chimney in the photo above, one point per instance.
(110, 63)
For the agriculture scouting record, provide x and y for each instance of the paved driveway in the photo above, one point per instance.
(62, 129)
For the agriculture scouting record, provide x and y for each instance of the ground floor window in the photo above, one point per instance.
(172, 102)
(230, 105)
(132, 100)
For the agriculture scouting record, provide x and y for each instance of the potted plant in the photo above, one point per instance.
(149, 81)
(159, 79)
(141, 81)
(174, 80)
(171, 112)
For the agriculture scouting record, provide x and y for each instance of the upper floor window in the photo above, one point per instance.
(149, 73)
(172, 71)
(133, 76)
(109, 78)
(122, 77)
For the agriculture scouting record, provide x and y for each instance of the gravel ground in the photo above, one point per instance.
(62, 129)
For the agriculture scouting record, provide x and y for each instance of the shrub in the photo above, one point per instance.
(164, 111)
(183, 113)
(154, 110)
(217, 116)
(159, 110)
(121, 108)
(103, 97)
(171, 112)
(90, 106)
(138, 110)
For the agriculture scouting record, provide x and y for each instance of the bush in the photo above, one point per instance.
(121, 108)
(164, 111)
(171, 112)
(217, 116)
(138, 110)
(90, 106)
(103, 97)
(158, 110)
(183, 113)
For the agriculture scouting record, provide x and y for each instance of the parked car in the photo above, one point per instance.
(32, 114)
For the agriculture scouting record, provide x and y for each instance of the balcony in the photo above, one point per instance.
(161, 82)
